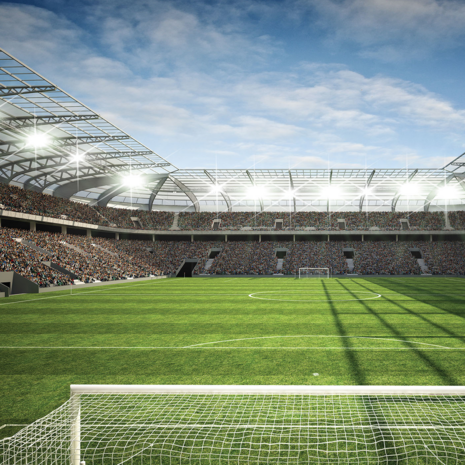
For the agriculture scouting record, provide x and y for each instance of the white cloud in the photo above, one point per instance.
(171, 78)
(394, 29)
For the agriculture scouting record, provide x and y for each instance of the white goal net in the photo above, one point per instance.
(247, 424)
(313, 273)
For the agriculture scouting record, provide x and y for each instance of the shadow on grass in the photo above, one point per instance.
(350, 354)
(422, 316)
(446, 377)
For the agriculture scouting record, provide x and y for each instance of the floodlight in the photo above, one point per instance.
(409, 189)
(216, 189)
(133, 180)
(290, 194)
(256, 192)
(38, 140)
(447, 192)
(331, 192)
(78, 156)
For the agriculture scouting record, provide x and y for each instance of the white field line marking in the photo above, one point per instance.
(68, 295)
(354, 299)
(202, 345)
(226, 348)
(315, 336)
(150, 294)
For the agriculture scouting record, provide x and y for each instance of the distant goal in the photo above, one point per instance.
(247, 425)
(313, 273)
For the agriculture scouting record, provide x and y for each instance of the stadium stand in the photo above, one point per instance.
(99, 259)
(25, 201)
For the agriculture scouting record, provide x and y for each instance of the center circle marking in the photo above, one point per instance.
(373, 295)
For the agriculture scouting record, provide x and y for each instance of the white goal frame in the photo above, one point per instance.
(326, 272)
(170, 424)
(431, 394)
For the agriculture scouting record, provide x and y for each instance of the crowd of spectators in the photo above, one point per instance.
(90, 259)
(13, 198)
(319, 221)
(26, 201)
(246, 258)
(315, 255)
(457, 219)
(384, 258)
(27, 262)
(98, 259)
(443, 258)
(121, 218)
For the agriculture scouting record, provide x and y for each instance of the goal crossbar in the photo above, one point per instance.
(76, 389)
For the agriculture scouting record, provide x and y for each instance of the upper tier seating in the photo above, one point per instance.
(25, 201)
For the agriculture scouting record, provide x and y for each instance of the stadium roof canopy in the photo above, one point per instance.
(52, 143)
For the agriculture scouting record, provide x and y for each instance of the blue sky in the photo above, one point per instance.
(265, 84)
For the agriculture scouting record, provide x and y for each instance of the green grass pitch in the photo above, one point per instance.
(391, 331)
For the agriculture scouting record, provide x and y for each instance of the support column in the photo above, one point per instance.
(33, 226)
(259, 238)
(293, 238)
(397, 237)
(225, 238)
(328, 237)
(117, 236)
(431, 238)
(192, 238)
(89, 233)
(363, 237)
(153, 237)
(64, 229)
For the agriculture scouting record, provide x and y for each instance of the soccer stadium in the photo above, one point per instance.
(153, 314)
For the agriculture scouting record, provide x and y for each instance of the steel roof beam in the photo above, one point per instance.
(70, 141)
(155, 192)
(456, 162)
(60, 159)
(58, 142)
(10, 91)
(188, 192)
(221, 191)
(292, 188)
(367, 185)
(398, 193)
(72, 170)
(68, 189)
(24, 122)
(121, 168)
(252, 180)
(105, 197)
(330, 181)
(434, 192)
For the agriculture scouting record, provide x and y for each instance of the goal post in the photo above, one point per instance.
(177, 424)
(314, 273)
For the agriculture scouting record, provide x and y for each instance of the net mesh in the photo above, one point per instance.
(313, 272)
(214, 429)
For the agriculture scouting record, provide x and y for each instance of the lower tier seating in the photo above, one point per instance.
(98, 259)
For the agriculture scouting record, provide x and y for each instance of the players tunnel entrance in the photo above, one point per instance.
(214, 253)
(281, 253)
(349, 253)
(416, 253)
(186, 268)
